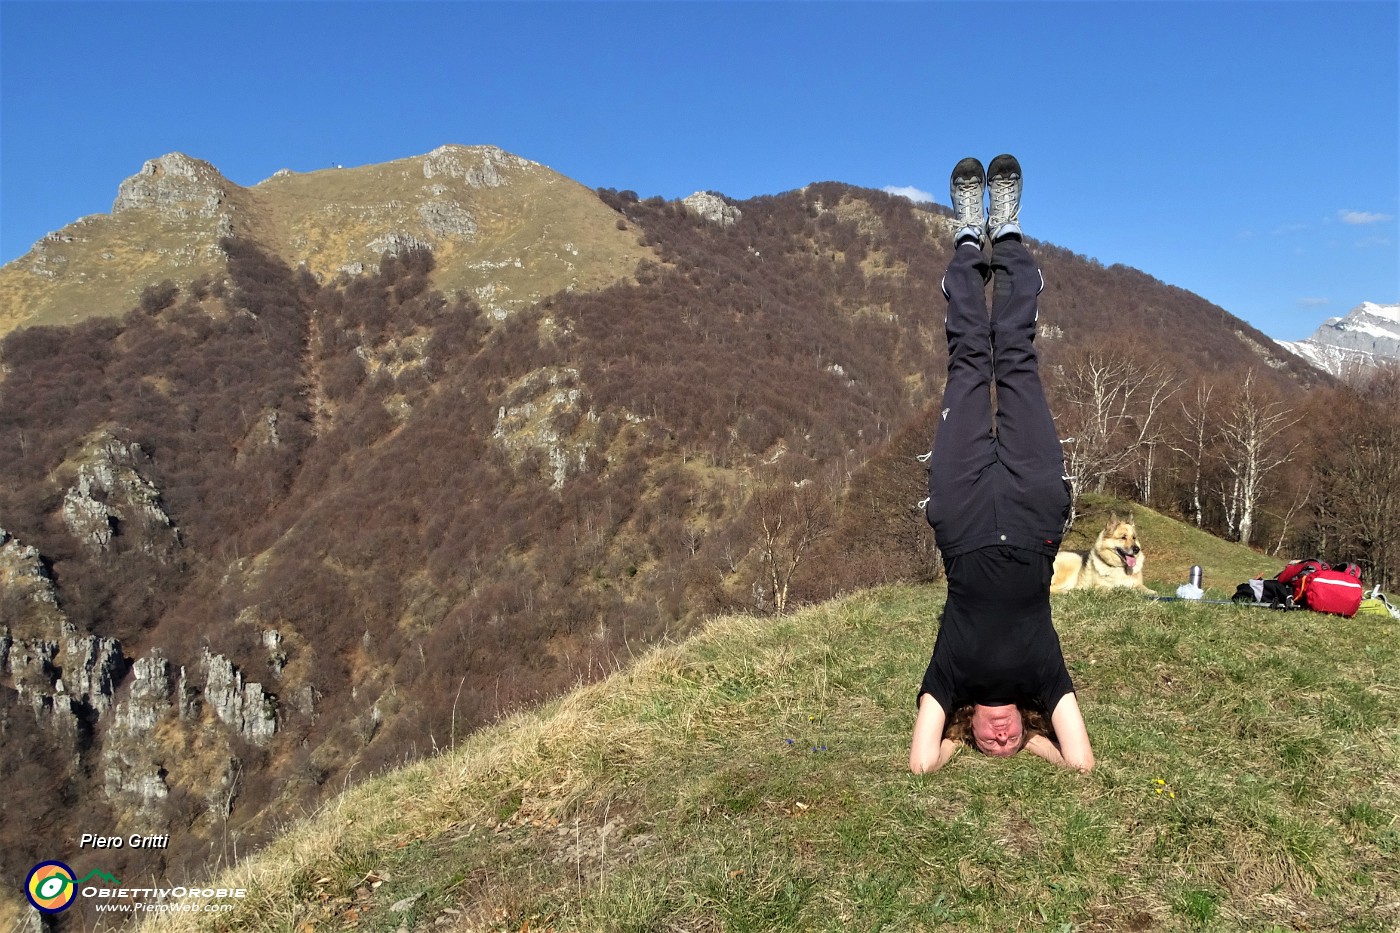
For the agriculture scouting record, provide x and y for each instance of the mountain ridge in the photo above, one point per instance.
(168, 221)
(486, 213)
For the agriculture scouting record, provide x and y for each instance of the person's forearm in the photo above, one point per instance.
(947, 748)
(1051, 752)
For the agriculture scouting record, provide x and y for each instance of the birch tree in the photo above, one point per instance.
(790, 519)
(1193, 442)
(1110, 411)
(1255, 441)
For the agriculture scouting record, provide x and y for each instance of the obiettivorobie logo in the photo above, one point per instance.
(51, 887)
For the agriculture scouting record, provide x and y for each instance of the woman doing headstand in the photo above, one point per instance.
(998, 502)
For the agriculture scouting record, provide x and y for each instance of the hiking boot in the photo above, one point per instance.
(1004, 189)
(968, 184)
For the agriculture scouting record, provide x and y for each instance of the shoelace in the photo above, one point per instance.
(1005, 201)
(967, 195)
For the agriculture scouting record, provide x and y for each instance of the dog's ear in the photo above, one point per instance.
(1113, 520)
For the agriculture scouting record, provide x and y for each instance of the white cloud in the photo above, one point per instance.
(1314, 302)
(1363, 217)
(914, 194)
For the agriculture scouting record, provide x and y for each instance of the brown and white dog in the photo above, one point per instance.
(1115, 560)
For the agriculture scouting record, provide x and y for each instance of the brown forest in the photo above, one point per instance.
(447, 517)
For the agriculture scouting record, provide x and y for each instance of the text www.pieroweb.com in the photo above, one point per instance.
(175, 908)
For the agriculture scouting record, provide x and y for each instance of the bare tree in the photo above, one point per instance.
(1378, 462)
(1110, 402)
(1193, 442)
(1302, 496)
(1254, 442)
(790, 519)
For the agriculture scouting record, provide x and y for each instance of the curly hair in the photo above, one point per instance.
(1033, 722)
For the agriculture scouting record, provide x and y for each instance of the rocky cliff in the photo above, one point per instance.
(132, 718)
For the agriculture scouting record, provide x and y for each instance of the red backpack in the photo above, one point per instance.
(1322, 588)
(1297, 572)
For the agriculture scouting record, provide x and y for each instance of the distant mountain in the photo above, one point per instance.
(504, 230)
(1370, 334)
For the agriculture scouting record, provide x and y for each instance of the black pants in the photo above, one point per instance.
(1005, 486)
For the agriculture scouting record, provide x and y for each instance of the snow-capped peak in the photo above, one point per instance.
(1369, 334)
(1388, 312)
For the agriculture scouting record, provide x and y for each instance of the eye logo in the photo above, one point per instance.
(50, 887)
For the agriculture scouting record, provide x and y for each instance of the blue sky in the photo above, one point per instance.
(1244, 151)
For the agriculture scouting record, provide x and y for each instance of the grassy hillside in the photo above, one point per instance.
(754, 778)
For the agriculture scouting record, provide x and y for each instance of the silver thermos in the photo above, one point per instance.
(1196, 576)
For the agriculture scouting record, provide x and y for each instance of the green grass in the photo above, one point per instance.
(755, 778)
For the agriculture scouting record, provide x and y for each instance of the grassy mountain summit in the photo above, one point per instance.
(504, 230)
(753, 777)
(284, 526)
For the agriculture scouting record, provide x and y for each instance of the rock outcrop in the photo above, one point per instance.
(394, 244)
(32, 643)
(66, 678)
(138, 771)
(110, 495)
(150, 698)
(477, 166)
(30, 664)
(92, 667)
(712, 208)
(176, 185)
(73, 682)
(448, 219)
(27, 596)
(242, 706)
(543, 416)
(132, 762)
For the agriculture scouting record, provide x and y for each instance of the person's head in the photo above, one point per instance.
(1000, 731)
